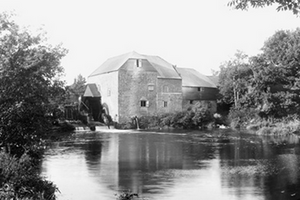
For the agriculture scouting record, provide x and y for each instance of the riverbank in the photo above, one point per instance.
(284, 127)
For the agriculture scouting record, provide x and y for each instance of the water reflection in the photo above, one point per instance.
(175, 166)
(263, 167)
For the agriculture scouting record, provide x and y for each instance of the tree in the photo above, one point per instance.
(291, 5)
(276, 75)
(282, 50)
(29, 84)
(269, 84)
(76, 89)
(234, 77)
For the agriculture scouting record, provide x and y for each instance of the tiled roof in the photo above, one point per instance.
(165, 69)
(192, 78)
(214, 79)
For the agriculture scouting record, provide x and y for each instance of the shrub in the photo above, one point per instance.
(239, 117)
(197, 116)
(65, 126)
(202, 117)
(19, 178)
(149, 121)
(281, 128)
(126, 196)
(127, 125)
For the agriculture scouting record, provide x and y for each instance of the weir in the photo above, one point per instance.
(137, 123)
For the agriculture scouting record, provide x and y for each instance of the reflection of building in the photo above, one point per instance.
(139, 155)
(133, 84)
(129, 162)
(109, 168)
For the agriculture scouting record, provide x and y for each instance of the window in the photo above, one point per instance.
(143, 103)
(191, 101)
(108, 92)
(165, 104)
(165, 88)
(138, 63)
(150, 87)
(201, 89)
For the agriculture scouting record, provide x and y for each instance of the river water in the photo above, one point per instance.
(174, 166)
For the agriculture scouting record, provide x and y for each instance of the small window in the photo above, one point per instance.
(165, 88)
(165, 104)
(108, 92)
(201, 89)
(138, 63)
(143, 103)
(191, 101)
(150, 87)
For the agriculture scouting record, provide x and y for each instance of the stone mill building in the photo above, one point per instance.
(133, 84)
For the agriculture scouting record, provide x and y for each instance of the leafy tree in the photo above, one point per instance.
(233, 78)
(282, 50)
(276, 75)
(76, 89)
(29, 85)
(269, 84)
(291, 5)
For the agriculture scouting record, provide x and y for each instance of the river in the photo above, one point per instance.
(174, 166)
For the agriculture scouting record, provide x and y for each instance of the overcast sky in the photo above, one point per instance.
(188, 33)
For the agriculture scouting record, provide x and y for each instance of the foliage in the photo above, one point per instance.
(290, 5)
(19, 179)
(194, 118)
(29, 86)
(234, 78)
(127, 196)
(268, 86)
(148, 121)
(202, 116)
(281, 128)
(239, 117)
(75, 90)
(66, 126)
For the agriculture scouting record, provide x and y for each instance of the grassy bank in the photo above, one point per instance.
(283, 127)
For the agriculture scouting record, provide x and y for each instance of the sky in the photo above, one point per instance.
(187, 33)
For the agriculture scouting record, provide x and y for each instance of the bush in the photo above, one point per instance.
(239, 117)
(127, 196)
(127, 125)
(281, 128)
(19, 179)
(202, 117)
(149, 121)
(65, 126)
(193, 118)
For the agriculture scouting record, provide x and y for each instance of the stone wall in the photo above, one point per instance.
(169, 95)
(136, 85)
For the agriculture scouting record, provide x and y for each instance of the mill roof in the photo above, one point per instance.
(193, 78)
(164, 68)
(91, 91)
